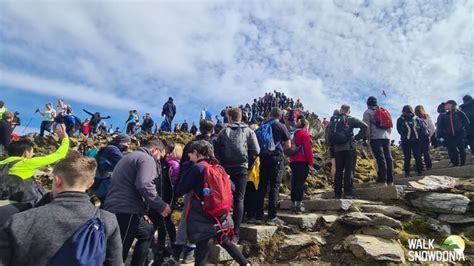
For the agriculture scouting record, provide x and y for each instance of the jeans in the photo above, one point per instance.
(299, 173)
(45, 126)
(456, 150)
(270, 172)
(425, 151)
(202, 251)
(409, 147)
(344, 169)
(240, 183)
(381, 151)
(134, 226)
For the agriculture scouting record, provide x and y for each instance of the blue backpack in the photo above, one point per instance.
(265, 138)
(87, 246)
(208, 115)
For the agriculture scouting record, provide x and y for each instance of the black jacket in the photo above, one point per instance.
(169, 109)
(468, 109)
(5, 133)
(148, 124)
(452, 124)
(408, 127)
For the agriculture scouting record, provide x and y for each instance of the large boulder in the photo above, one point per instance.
(369, 219)
(441, 202)
(371, 248)
(432, 183)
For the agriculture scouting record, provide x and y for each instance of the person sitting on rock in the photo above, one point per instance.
(23, 189)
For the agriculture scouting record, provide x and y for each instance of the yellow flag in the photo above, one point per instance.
(254, 174)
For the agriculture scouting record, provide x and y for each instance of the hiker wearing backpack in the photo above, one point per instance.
(452, 128)
(208, 212)
(6, 130)
(468, 108)
(273, 138)
(48, 119)
(300, 162)
(379, 122)
(67, 231)
(107, 159)
(341, 135)
(18, 170)
(427, 130)
(236, 146)
(169, 112)
(131, 192)
(408, 126)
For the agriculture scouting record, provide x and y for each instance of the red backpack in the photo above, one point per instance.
(383, 119)
(217, 191)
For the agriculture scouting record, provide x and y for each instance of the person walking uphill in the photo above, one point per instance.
(468, 108)
(380, 125)
(300, 164)
(48, 119)
(341, 135)
(273, 138)
(43, 235)
(452, 128)
(235, 147)
(206, 179)
(408, 126)
(427, 131)
(131, 191)
(169, 111)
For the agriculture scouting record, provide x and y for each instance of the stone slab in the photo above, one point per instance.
(218, 254)
(256, 233)
(375, 193)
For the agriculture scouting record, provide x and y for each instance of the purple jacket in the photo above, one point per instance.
(174, 170)
(132, 189)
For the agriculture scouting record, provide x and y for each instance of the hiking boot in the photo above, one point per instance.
(300, 207)
(170, 262)
(275, 222)
(188, 257)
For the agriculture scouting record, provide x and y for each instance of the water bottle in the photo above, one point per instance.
(206, 191)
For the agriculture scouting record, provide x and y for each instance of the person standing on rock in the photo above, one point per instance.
(341, 135)
(194, 129)
(61, 112)
(148, 124)
(468, 108)
(6, 130)
(271, 166)
(22, 165)
(131, 192)
(378, 134)
(48, 119)
(169, 111)
(236, 147)
(408, 126)
(300, 164)
(427, 130)
(37, 236)
(452, 128)
(94, 121)
(201, 225)
(184, 127)
(131, 123)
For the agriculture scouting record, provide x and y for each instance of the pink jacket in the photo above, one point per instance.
(174, 170)
(302, 138)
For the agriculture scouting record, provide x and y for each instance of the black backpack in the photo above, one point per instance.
(339, 131)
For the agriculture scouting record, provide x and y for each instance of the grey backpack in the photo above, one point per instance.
(235, 146)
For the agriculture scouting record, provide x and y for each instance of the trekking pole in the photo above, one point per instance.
(31, 119)
(123, 128)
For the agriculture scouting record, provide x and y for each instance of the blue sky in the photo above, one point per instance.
(113, 56)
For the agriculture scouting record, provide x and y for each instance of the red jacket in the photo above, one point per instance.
(302, 138)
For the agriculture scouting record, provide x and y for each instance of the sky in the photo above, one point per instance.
(114, 56)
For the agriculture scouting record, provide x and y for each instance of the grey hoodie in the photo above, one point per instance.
(373, 132)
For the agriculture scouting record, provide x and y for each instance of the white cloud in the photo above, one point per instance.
(134, 53)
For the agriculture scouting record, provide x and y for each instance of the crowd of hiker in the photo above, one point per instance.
(217, 181)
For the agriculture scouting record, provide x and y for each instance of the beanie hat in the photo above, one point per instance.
(170, 99)
(467, 98)
(372, 101)
(121, 138)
